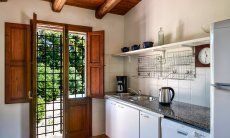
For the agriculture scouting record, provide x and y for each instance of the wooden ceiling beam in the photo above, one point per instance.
(106, 8)
(57, 5)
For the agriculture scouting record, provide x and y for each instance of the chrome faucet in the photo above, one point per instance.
(134, 91)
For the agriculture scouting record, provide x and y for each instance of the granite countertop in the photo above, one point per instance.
(196, 116)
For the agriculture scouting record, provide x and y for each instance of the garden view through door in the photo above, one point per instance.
(50, 77)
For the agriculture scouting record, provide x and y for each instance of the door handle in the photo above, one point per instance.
(30, 95)
(223, 86)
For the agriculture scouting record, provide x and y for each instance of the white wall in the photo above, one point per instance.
(181, 20)
(14, 119)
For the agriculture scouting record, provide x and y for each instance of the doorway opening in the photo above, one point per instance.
(56, 65)
(49, 97)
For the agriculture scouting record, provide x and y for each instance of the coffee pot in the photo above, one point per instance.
(122, 84)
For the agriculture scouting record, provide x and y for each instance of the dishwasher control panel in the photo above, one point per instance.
(173, 129)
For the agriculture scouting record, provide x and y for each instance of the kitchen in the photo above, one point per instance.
(194, 109)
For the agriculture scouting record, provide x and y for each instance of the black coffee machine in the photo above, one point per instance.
(122, 84)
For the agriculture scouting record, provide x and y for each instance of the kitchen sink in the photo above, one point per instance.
(141, 98)
(132, 97)
(123, 94)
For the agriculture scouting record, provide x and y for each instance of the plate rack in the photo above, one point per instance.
(179, 65)
(150, 66)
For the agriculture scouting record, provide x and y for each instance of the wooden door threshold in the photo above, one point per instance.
(100, 136)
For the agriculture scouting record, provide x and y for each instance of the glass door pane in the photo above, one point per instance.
(49, 108)
(77, 45)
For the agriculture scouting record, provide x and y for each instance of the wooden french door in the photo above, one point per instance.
(77, 102)
(78, 106)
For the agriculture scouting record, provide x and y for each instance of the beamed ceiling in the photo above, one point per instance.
(101, 7)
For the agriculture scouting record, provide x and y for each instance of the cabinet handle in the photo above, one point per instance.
(146, 116)
(112, 103)
(182, 132)
(120, 106)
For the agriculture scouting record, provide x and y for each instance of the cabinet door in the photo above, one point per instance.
(111, 118)
(149, 126)
(127, 122)
(17, 63)
(108, 117)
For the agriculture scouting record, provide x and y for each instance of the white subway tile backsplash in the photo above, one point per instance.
(185, 95)
(133, 83)
(198, 97)
(174, 84)
(198, 90)
(201, 71)
(162, 83)
(195, 91)
(145, 85)
(184, 84)
(153, 90)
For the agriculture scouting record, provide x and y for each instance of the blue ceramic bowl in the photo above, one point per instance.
(147, 44)
(135, 47)
(125, 49)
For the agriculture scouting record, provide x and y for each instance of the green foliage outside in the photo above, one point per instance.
(40, 107)
(49, 70)
(52, 81)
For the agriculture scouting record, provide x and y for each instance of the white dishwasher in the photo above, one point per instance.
(172, 129)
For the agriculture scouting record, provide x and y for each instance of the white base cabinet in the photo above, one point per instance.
(127, 122)
(121, 121)
(172, 129)
(110, 118)
(149, 125)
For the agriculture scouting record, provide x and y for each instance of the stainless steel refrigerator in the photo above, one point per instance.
(220, 79)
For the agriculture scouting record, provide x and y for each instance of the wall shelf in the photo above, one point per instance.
(188, 43)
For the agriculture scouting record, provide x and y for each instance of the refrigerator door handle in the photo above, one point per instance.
(223, 86)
